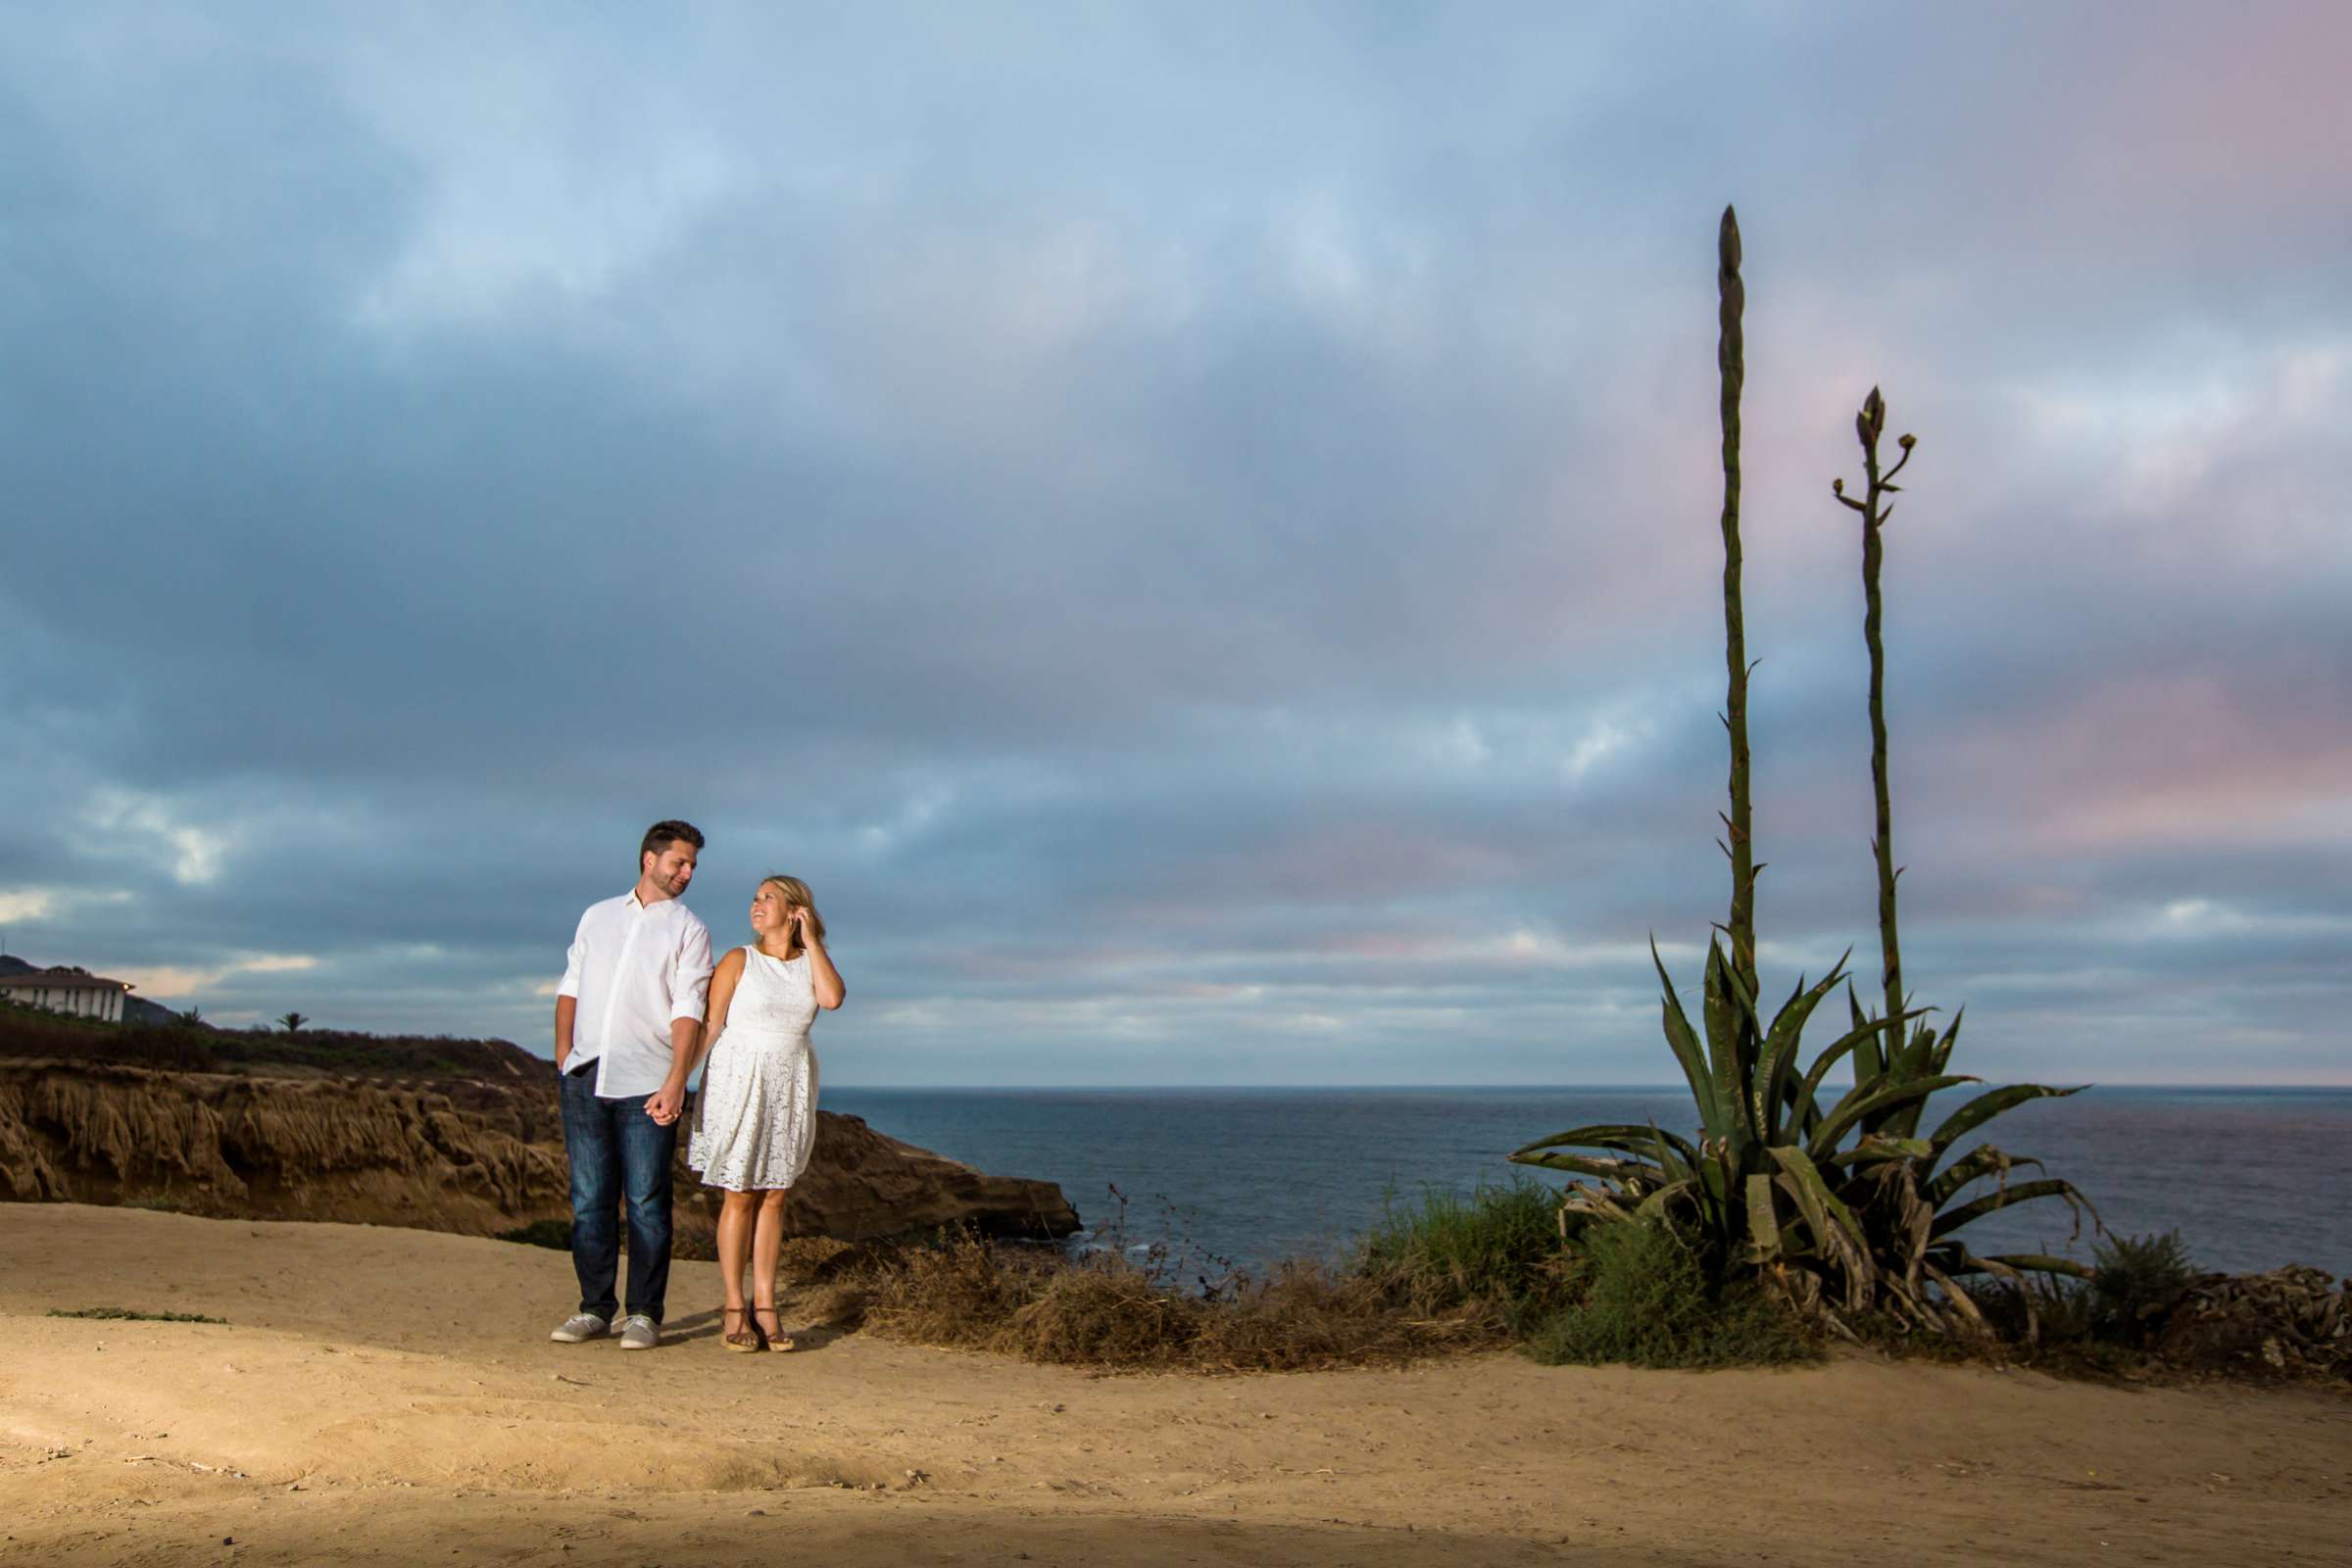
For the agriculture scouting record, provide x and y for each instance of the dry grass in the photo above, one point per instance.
(1443, 1276)
(1040, 1305)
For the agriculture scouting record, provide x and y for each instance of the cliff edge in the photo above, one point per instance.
(473, 1156)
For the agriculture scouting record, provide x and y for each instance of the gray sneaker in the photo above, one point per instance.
(580, 1326)
(639, 1332)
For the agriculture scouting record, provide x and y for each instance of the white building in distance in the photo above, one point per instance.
(76, 992)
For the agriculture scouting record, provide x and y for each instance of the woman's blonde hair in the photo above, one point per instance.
(798, 897)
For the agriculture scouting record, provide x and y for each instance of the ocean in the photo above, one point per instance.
(2251, 1178)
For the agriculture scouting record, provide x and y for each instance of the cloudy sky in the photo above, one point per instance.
(1193, 527)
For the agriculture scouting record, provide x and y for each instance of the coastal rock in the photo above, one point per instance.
(863, 1185)
(471, 1155)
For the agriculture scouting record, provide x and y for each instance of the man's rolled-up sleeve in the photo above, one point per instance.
(689, 982)
(569, 986)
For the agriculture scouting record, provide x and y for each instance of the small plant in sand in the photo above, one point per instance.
(1840, 1208)
(126, 1314)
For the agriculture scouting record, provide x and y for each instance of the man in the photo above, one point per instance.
(628, 1016)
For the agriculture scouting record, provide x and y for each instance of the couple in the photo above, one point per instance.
(639, 1007)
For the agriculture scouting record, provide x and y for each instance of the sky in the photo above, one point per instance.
(1192, 527)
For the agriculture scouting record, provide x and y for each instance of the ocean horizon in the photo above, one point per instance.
(1255, 1175)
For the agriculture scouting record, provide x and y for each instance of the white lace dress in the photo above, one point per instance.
(756, 1119)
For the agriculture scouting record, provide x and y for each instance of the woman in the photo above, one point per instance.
(757, 1120)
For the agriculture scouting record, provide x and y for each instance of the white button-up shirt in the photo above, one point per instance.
(633, 968)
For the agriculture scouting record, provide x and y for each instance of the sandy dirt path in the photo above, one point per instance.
(384, 1395)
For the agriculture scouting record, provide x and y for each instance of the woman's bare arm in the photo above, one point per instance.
(724, 980)
(823, 978)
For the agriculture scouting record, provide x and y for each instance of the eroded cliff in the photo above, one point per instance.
(471, 1155)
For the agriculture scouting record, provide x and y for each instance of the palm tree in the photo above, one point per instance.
(293, 1022)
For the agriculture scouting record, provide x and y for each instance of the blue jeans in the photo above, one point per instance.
(617, 1153)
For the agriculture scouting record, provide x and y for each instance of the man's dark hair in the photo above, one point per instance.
(661, 835)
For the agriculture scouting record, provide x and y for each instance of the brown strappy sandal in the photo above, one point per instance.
(779, 1341)
(745, 1338)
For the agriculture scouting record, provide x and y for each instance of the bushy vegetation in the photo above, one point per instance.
(1647, 1300)
(1499, 1249)
(1040, 1303)
(2134, 1281)
(195, 1046)
(1445, 1273)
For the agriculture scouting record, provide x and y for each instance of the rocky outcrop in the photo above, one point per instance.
(470, 1155)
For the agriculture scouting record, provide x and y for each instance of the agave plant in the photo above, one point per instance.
(1846, 1208)
(1843, 1206)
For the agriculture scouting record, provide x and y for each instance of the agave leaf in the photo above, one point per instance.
(1925, 1057)
(1961, 1305)
(1710, 1190)
(1641, 1148)
(1876, 1149)
(1819, 1243)
(1951, 1219)
(1817, 1235)
(1763, 1221)
(1918, 1050)
(1803, 1116)
(1909, 1239)
(1982, 1109)
(1981, 1160)
(1870, 1059)
(1719, 1011)
(1731, 1031)
(1686, 1052)
(1864, 1098)
(1674, 1157)
(1779, 1049)
(1630, 1136)
(1951, 1036)
(1603, 1166)
(1598, 1201)
(1814, 1193)
(1760, 1109)
(2036, 1263)
(1654, 1206)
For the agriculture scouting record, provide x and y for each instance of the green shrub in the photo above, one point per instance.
(1647, 1302)
(2032, 1311)
(2134, 1281)
(1500, 1246)
(2138, 1277)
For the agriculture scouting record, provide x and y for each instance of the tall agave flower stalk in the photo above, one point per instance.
(1875, 508)
(1730, 365)
(1843, 1209)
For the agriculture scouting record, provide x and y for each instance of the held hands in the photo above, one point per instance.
(666, 1104)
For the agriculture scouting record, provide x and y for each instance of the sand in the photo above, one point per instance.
(382, 1395)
